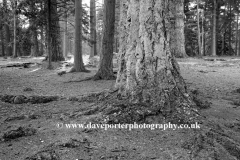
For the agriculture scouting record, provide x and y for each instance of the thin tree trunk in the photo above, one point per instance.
(236, 42)
(78, 61)
(105, 70)
(34, 34)
(42, 42)
(199, 31)
(214, 29)
(49, 35)
(15, 30)
(93, 28)
(203, 33)
(2, 44)
(230, 29)
(65, 37)
(1, 34)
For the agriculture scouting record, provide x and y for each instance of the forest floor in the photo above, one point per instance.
(31, 131)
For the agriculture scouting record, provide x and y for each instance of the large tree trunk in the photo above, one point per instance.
(214, 29)
(148, 72)
(93, 32)
(105, 70)
(78, 61)
(177, 41)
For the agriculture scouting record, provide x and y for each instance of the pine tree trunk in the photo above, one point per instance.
(203, 34)
(236, 42)
(105, 70)
(1, 34)
(177, 43)
(148, 72)
(57, 54)
(49, 41)
(214, 29)
(199, 31)
(93, 28)
(78, 61)
(2, 43)
(230, 29)
(15, 29)
(42, 42)
(34, 34)
(65, 37)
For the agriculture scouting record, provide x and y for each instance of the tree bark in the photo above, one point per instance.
(93, 32)
(105, 70)
(148, 72)
(57, 54)
(2, 43)
(15, 29)
(214, 29)
(34, 34)
(177, 43)
(230, 29)
(1, 34)
(49, 19)
(65, 37)
(78, 61)
(237, 39)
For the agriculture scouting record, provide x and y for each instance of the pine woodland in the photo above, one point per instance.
(119, 79)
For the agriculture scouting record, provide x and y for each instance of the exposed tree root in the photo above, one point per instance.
(82, 80)
(72, 70)
(20, 99)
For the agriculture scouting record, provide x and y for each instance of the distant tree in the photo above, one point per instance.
(15, 28)
(105, 70)
(93, 40)
(33, 28)
(78, 61)
(177, 43)
(1, 30)
(7, 30)
(49, 40)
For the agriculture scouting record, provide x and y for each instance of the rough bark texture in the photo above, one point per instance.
(106, 65)
(177, 41)
(148, 72)
(93, 32)
(57, 54)
(78, 61)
